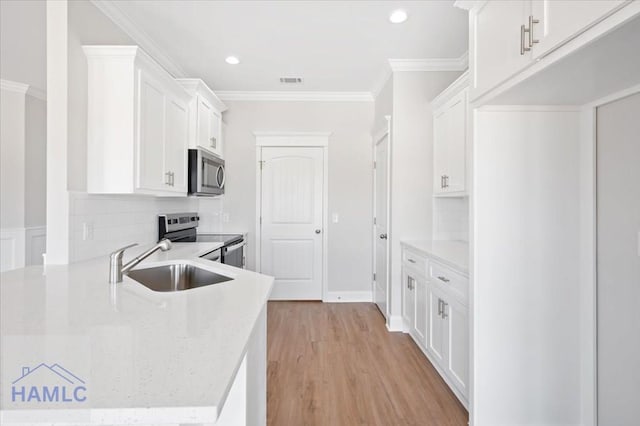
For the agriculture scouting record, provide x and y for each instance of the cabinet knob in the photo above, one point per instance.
(318, 231)
(383, 236)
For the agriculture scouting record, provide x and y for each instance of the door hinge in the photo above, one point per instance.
(260, 220)
(375, 164)
(374, 276)
(261, 164)
(375, 221)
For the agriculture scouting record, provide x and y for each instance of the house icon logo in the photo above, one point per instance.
(48, 384)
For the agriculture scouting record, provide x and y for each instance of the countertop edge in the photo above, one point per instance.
(412, 244)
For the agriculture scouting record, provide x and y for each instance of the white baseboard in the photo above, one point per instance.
(348, 296)
(395, 323)
(12, 248)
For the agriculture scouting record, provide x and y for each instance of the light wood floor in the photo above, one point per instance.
(336, 364)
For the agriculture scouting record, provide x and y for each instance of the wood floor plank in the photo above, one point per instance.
(336, 364)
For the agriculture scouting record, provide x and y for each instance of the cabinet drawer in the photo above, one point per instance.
(415, 260)
(447, 278)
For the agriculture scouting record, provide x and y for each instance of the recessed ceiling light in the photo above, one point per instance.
(232, 60)
(398, 16)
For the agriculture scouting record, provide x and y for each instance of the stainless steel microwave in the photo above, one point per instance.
(206, 173)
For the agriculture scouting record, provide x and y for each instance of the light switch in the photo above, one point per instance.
(335, 218)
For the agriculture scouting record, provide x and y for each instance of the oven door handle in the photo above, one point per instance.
(236, 246)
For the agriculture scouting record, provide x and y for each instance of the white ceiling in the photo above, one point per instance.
(332, 45)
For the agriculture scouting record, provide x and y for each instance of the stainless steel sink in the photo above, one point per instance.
(176, 277)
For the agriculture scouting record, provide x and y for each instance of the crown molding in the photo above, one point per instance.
(436, 64)
(37, 93)
(295, 96)
(465, 4)
(14, 86)
(113, 12)
(381, 82)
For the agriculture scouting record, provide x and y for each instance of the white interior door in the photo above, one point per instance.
(291, 248)
(618, 264)
(381, 190)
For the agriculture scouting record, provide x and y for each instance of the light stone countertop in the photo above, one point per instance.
(144, 356)
(454, 254)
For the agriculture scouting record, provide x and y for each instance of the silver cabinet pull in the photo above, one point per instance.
(443, 279)
(523, 48)
(213, 141)
(446, 181)
(167, 178)
(444, 310)
(532, 21)
(411, 260)
(439, 307)
(442, 181)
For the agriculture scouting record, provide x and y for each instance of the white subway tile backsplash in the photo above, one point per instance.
(451, 219)
(118, 220)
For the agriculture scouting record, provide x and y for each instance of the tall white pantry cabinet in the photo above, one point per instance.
(538, 72)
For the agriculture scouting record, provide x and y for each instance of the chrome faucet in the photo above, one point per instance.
(116, 269)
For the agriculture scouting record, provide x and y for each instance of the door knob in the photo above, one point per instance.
(318, 231)
(383, 236)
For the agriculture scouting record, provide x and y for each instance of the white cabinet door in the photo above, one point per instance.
(440, 125)
(151, 173)
(216, 133)
(456, 141)
(562, 20)
(409, 300)
(435, 336)
(175, 149)
(420, 323)
(496, 43)
(457, 344)
(204, 123)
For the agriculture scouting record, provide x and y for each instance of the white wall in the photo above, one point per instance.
(411, 163)
(22, 42)
(35, 162)
(12, 156)
(527, 267)
(350, 177)
(618, 262)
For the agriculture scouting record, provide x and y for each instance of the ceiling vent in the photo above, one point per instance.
(290, 80)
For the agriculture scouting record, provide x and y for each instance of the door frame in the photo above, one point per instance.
(589, 258)
(295, 140)
(377, 138)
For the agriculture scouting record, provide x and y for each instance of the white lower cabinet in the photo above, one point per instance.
(436, 316)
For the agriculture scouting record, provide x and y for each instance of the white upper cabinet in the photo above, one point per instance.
(496, 33)
(508, 36)
(136, 124)
(560, 20)
(450, 139)
(205, 117)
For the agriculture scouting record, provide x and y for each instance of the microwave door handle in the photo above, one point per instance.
(224, 177)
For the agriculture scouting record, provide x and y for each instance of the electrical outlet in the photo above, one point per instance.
(87, 231)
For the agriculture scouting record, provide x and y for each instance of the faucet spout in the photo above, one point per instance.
(116, 269)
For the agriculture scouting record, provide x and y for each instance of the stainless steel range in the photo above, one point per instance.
(182, 228)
